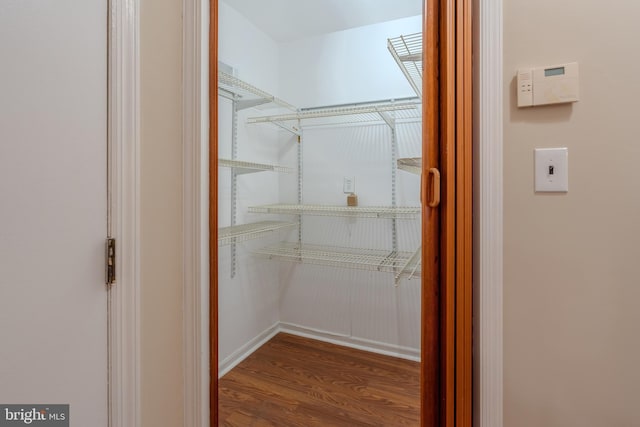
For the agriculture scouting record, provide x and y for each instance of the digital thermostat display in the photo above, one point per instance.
(558, 71)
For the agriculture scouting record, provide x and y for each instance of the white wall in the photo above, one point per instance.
(345, 66)
(248, 301)
(356, 304)
(161, 365)
(247, 49)
(571, 283)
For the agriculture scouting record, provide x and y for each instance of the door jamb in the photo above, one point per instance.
(488, 385)
(123, 169)
(195, 212)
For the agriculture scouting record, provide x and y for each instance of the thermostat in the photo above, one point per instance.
(555, 84)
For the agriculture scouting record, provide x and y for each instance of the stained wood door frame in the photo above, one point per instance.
(447, 380)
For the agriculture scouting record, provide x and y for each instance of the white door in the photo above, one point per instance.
(53, 121)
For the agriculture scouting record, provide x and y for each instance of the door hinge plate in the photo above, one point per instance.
(110, 261)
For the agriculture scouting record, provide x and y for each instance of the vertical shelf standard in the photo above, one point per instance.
(243, 95)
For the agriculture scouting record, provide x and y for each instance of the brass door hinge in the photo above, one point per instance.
(110, 261)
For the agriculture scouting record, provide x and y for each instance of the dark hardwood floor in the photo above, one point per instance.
(294, 381)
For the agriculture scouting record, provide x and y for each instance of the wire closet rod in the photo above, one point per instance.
(359, 104)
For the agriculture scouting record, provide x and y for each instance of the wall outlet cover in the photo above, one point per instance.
(349, 184)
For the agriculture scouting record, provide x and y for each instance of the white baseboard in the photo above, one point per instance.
(378, 347)
(372, 346)
(245, 351)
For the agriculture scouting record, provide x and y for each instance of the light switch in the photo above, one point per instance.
(552, 169)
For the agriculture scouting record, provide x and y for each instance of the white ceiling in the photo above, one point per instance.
(287, 20)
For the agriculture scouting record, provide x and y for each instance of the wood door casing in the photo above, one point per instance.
(446, 294)
(213, 212)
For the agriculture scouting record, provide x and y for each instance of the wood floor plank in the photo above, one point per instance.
(296, 381)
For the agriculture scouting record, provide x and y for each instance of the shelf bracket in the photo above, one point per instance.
(390, 121)
(291, 129)
(411, 57)
(250, 103)
(388, 260)
(404, 271)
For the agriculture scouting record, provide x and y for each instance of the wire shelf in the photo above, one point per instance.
(354, 258)
(405, 111)
(401, 212)
(239, 233)
(411, 164)
(249, 93)
(242, 167)
(412, 267)
(407, 51)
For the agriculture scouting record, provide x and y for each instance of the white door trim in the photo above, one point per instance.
(488, 215)
(124, 179)
(488, 249)
(195, 212)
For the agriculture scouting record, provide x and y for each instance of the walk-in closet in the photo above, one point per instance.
(319, 212)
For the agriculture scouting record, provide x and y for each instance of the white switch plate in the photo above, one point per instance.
(349, 184)
(552, 169)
